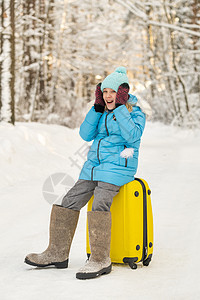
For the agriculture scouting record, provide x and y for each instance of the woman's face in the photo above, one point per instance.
(109, 97)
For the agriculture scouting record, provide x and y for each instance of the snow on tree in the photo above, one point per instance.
(7, 59)
(64, 48)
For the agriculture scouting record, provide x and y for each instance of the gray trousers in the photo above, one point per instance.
(79, 195)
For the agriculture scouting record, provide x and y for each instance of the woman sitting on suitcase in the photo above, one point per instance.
(116, 128)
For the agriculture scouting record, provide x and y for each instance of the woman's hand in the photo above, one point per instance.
(99, 104)
(122, 94)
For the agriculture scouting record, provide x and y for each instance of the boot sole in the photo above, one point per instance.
(94, 274)
(58, 265)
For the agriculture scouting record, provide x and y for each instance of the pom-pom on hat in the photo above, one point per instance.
(115, 79)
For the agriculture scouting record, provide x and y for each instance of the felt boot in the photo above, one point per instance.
(63, 223)
(99, 263)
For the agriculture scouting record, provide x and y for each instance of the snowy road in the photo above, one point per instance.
(169, 161)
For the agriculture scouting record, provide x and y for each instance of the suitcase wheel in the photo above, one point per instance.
(132, 265)
(146, 262)
(131, 262)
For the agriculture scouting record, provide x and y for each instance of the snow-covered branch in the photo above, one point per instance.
(174, 27)
(140, 14)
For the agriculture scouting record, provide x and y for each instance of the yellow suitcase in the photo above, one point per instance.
(132, 225)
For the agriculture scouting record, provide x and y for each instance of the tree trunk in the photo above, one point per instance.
(195, 21)
(179, 77)
(1, 50)
(8, 63)
(30, 45)
(41, 89)
(12, 81)
(150, 53)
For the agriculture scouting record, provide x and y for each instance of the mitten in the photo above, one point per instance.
(99, 104)
(122, 94)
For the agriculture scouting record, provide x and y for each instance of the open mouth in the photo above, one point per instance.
(111, 101)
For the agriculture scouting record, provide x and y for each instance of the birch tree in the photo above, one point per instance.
(7, 84)
(64, 48)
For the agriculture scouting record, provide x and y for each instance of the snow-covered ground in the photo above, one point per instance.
(169, 161)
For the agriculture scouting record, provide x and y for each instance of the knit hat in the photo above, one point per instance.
(115, 79)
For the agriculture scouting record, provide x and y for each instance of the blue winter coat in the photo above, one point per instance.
(112, 132)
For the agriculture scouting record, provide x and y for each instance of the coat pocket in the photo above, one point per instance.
(126, 154)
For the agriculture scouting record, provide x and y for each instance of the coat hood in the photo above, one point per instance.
(136, 100)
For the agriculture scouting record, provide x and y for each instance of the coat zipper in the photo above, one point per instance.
(98, 150)
(102, 138)
(99, 146)
(106, 125)
(126, 160)
(92, 173)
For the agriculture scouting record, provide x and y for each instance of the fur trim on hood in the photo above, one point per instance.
(136, 100)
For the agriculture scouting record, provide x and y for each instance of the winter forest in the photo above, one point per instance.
(53, 53)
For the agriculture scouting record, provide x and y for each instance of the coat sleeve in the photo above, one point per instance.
(131, 124)
(88, 129)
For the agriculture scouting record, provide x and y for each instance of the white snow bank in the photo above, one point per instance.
(32, 150)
